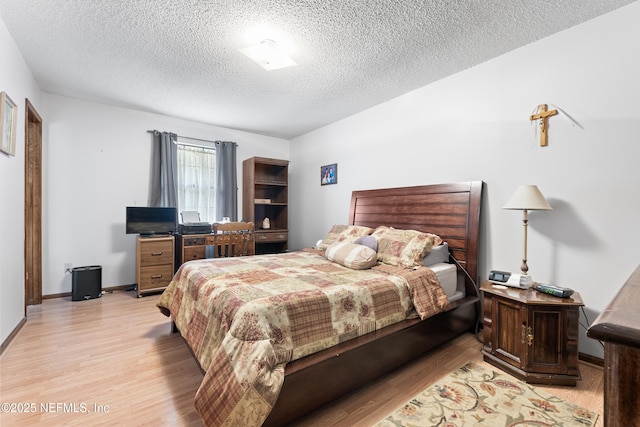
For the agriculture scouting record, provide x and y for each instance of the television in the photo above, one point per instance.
(151, 221)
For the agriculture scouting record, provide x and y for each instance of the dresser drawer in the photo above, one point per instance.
(193, 252)
(156, 252)
(157, 276)
(271, 236)
(194, 241)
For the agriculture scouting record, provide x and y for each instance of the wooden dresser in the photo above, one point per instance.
(221, 243)
(154, 263)
(618, 326)
(192, 246)
(531, 335)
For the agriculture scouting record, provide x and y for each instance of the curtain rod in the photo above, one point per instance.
(194, 139)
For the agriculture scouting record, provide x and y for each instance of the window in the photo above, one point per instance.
(197, 180)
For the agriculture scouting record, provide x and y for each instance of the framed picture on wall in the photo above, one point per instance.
(8, 117)
(329, 174)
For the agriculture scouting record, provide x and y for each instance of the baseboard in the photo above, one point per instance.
(591, 359)
(119, 288)
(107, 289)
(54, 296)
(12, 335)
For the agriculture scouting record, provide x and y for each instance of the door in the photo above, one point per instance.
(546, 346)
(510, 326)
(32, 207)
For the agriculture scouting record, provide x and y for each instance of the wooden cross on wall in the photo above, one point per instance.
(543, 115)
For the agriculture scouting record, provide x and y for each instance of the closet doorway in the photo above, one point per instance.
(32, 207)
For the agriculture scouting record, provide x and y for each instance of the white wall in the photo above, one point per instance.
(18, 82)
(475, 126)
(97, 160)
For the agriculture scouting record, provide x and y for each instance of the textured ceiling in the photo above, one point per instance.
(181, 58)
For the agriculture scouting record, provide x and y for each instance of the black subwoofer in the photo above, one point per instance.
(86, 282)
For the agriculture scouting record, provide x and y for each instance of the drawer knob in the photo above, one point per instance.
(156, 253)
(262, 237)
(157, 276)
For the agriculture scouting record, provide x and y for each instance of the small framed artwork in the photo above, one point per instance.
(8, 117)
(329, 174)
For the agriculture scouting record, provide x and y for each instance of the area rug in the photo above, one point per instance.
(476, 396)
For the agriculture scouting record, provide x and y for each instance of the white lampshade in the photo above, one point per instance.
(527, 197)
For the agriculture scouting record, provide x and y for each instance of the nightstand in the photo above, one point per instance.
(154, 263)
(531, 335)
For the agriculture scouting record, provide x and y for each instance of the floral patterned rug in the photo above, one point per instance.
(476, 396)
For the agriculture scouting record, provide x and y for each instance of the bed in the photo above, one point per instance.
(295, 381)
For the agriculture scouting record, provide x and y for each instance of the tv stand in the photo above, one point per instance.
(154, 263)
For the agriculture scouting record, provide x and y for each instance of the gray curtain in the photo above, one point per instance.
(163, 190)
(226, 181)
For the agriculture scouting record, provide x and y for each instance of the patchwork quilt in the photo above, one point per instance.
(245, 318)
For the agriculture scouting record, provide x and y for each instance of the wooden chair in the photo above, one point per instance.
(233, 239)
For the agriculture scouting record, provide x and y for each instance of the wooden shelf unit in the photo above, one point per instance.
(265, 194)
(531, 335)
(154, 263)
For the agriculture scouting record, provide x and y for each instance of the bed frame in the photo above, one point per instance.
(451, 211)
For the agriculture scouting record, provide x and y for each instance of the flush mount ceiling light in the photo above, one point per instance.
(268, 55)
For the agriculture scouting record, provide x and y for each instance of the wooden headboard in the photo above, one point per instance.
(452, 211)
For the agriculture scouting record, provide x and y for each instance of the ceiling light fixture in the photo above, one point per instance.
(268, 55)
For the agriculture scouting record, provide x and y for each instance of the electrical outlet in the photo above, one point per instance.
(67, 268)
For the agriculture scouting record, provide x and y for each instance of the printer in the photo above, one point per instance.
(195, 228)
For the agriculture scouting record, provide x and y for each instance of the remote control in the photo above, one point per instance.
(556, 291)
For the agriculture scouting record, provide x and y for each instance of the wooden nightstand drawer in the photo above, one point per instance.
(271, 236)
(157, 276)
(156, 252)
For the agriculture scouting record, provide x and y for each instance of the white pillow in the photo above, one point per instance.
(352, 255)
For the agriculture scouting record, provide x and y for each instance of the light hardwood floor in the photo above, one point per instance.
(114, 361)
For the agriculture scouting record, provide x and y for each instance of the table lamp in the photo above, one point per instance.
(527, 198)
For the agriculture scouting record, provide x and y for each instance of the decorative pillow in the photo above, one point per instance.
(352, 255)
(339, 233)
(369, 241)
(403, 248)
(437, 255)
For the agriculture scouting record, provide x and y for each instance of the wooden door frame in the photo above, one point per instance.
(32, 207)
